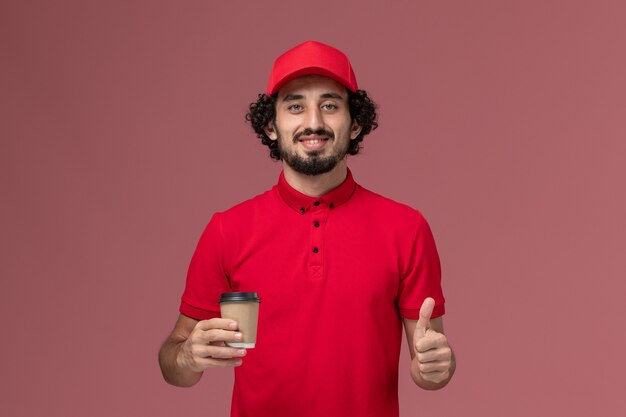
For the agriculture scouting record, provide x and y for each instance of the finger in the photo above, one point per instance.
(432, 340)
(217, 363)
(219, 352)
(434, 355)
(423, 323)
(426, 311)
(217, 335)
(432, 367)
(435, 377)
(217, 323)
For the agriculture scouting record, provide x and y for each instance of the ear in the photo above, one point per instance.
(354, 130)
(270, 131)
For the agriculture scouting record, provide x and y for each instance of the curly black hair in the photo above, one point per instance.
(362, 110)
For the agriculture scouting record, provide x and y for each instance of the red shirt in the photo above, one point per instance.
(335, 275)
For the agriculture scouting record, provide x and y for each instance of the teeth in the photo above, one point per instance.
(312, 141)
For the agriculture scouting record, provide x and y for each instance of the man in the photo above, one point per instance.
(338, 268)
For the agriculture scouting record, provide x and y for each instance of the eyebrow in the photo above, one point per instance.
(292, 97)
(332, 95)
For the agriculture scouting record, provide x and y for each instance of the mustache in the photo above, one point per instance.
(309, 132)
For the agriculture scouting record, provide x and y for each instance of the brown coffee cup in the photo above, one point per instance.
(244, 308)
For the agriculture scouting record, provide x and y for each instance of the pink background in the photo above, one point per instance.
(122, 131)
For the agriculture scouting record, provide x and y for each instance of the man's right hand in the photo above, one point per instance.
(205, 347)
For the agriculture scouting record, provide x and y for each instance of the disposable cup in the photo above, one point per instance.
(244, 308)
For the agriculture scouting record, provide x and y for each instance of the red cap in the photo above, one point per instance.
(311, 58)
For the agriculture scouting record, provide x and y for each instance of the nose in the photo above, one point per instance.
(314, 119)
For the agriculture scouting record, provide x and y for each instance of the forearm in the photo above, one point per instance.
(430, 385)
(173, 372)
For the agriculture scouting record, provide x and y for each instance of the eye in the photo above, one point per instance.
(295, 108)
(329, 106)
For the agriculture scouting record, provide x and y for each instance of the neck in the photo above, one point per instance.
(316, 185)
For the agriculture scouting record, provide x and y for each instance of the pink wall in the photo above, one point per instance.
(122, 131)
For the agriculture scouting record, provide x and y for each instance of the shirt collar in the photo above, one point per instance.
(302, 202)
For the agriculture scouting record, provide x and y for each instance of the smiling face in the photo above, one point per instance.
(313, 126)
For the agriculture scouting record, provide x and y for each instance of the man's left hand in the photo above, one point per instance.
(432, 351)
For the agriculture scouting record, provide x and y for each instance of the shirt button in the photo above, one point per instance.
(331, 205)
(302, 210)
(315, 250)
(317, 203)
(316, 223)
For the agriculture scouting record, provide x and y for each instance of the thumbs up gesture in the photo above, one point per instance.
(433, 359)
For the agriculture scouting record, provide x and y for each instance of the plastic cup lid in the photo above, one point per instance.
(237, 297)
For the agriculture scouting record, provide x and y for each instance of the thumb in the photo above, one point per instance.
(423, 323)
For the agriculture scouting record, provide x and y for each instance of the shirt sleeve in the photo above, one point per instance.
(206, 277)
(423, 275)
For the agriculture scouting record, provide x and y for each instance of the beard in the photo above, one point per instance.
(313, 163)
